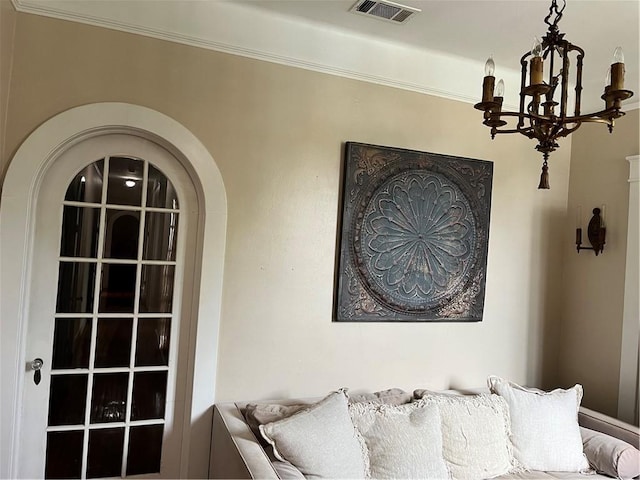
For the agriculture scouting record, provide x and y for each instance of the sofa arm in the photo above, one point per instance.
(235, 451)
(611, 426)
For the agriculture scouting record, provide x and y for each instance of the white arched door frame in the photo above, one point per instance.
(17, 220)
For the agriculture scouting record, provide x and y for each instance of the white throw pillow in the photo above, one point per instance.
(393, 396)
(402, 441)
(320, 440)
(475, 435)
(544, 426)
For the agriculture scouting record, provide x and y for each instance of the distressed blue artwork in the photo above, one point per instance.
(414, 236)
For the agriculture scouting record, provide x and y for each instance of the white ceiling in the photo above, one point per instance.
(439, 51)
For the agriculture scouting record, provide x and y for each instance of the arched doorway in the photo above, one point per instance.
(25, 178)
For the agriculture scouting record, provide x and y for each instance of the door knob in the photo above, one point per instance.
(36, 366)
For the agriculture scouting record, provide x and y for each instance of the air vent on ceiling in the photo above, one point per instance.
(385, 10)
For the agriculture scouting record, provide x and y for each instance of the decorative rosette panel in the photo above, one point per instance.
(414, 236)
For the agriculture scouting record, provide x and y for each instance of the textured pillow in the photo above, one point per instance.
(262, 413)
(475, 435)
(320, 440)
(544, 426)
(609, 455)
(257, 414)
(402, 441)
(392, 396)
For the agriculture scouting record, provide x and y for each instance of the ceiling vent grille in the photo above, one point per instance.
(385, 10)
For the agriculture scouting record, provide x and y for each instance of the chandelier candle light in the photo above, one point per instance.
(543, 114)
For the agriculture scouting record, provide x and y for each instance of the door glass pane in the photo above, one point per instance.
(125, 181)
(121, 234)
(87, 185)
(64, 454)
(80, 232)
(160, 191)
(145, 449)
(67, 398)
(75, 287)
(71, 343)
(156, 288)
(149, 392)
(152, 346)
(113, 344)
(104, 332)
(105, 452)
(117, 289)
(109, 397)
(160, 232)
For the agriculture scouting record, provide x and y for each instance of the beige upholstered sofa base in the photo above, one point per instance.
(236, 453)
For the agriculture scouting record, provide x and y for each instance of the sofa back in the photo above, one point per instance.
(611, 426)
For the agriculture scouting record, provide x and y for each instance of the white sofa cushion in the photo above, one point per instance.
(544, 426)
(320, 440)
(475, 434)
(402, 441)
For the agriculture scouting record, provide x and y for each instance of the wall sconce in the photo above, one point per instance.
(596, 231)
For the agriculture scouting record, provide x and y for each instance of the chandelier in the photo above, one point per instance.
(544, 115)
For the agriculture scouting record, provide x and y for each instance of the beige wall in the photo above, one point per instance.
(277, 135)
(594, 286)
(7, 28)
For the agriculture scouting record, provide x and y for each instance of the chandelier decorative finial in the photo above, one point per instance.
(543, 114)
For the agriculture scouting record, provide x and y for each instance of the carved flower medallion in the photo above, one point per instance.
(414, 240)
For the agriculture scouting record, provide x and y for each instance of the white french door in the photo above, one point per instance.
(107, 343)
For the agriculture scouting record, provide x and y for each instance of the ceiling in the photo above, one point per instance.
(439, 51)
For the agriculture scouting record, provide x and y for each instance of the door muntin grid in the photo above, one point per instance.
(114, 319)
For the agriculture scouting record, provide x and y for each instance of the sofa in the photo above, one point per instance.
(467, 423)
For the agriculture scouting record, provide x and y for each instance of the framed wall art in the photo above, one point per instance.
(414, 233)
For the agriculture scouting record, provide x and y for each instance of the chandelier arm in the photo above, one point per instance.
(606, 121)
(527, 132)
(597, 117)
(603, 116)
(567, 131)
(513, 130)
(512, 114)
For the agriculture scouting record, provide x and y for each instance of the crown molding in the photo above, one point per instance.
(267, 36)
(344, 53)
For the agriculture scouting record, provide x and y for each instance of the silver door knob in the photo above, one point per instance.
(36, 366)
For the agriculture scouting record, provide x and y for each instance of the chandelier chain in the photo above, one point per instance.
(558, 12)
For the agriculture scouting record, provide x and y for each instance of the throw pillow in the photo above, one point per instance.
(320, 440)
(392, 396)
(287, 471)
(475, 435)
(609, 455)
(544, 426)
(261, 413)
(402, 441)
(257, 414)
